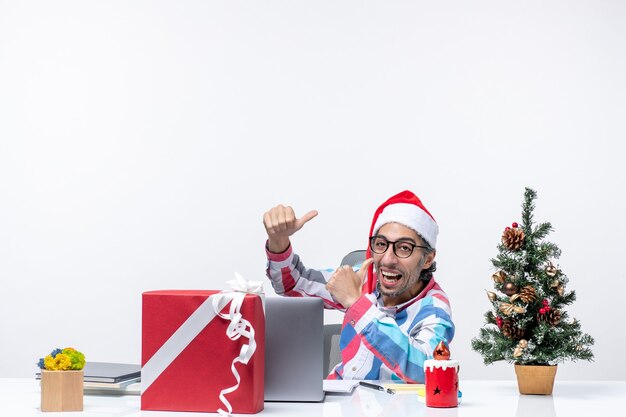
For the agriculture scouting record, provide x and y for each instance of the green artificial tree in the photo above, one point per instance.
(528, 324)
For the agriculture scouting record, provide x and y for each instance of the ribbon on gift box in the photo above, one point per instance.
(197, 321)
(237, 328)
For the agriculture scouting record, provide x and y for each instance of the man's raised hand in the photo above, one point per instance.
(280, 223)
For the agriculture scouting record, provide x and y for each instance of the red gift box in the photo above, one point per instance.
(186, 354)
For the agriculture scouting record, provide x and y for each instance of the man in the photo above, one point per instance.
(395, 312)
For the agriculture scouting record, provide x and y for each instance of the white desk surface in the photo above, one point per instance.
(21, 397)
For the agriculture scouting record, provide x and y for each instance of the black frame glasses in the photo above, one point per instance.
(403, 254)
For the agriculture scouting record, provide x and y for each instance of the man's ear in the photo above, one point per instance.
(430, 258)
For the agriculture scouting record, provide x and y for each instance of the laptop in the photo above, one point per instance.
(294, 349)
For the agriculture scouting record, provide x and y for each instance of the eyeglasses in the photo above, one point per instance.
(401, 248)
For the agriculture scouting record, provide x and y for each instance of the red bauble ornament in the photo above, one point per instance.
(507, 228)
(514, 224)
(542, 310)
(499, 322)
(545, 303)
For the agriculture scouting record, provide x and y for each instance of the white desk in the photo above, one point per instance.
(21, 397)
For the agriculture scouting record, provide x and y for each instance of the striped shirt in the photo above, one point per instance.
(377, 342)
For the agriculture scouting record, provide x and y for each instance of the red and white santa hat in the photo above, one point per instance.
(406, 209)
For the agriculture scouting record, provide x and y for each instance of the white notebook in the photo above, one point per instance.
(339, 386)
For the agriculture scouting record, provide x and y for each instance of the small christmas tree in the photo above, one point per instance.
(528, 324)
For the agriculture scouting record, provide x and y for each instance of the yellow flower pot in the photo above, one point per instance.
(61, 390)
(535, 379)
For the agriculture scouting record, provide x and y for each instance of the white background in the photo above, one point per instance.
(142, 141)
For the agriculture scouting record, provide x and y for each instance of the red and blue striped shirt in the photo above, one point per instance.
(377, 342)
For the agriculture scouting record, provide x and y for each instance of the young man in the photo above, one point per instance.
(395, 312)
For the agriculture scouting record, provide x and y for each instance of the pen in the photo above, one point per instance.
(377, 387)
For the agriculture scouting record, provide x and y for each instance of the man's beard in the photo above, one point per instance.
(410, 283)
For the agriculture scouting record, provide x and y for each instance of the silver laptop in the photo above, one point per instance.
(294, 349)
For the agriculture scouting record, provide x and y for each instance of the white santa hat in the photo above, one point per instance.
(407, 209)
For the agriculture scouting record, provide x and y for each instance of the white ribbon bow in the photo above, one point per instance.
(240, 284)
(238, 327)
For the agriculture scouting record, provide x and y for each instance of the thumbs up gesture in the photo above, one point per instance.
(345, 285)
(280, 223)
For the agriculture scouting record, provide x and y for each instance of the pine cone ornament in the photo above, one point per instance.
(528, 294)
(511, 330)
(513, 238)
(551, 316)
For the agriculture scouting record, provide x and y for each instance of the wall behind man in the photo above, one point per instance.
(141, 143)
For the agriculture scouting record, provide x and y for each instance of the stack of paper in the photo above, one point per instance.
(418, 389)
(407, 388)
